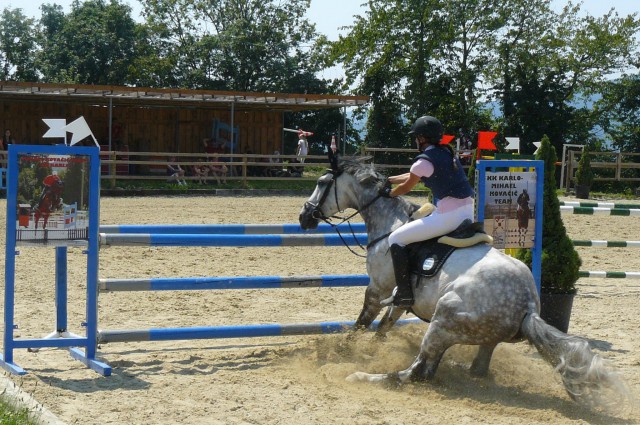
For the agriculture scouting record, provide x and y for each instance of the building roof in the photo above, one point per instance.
(158, 97)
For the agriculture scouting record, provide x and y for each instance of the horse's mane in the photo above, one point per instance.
(366, 173)
(369, 177)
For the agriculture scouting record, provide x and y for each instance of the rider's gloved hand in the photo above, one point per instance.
(385, 191)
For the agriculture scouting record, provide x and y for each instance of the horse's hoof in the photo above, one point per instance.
(357, 377)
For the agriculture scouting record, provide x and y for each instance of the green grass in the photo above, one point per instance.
(13, 415)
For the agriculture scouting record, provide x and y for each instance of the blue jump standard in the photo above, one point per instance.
(142, 239)
(242, 282)
(239, 331)
(230, 229)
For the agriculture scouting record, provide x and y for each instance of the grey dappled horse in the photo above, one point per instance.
(480, 296)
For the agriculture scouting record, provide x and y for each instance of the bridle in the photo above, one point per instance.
(317, 213)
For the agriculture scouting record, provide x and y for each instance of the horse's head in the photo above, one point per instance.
(348, 184)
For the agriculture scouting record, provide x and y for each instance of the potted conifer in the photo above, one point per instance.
(584, 176)
(560, 261)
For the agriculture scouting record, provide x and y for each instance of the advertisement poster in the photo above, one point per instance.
(52, 200)
(509, 210)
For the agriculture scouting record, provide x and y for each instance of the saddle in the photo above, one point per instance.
(427, 257)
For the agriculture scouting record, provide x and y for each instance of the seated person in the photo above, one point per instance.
(175, 171)
(218, 170)
(201, 171)
(276, 169)
(294, 169)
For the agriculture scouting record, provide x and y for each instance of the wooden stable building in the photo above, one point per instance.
(158, 120)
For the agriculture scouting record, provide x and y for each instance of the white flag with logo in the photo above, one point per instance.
(56, 128)
(79, 130)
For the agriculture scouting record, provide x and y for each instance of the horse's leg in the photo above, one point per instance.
(451, 324)
(435, 342)
(370, 309)
(480, 365)
(389, 319)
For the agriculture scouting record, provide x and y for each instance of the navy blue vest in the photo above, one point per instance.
(445, 181)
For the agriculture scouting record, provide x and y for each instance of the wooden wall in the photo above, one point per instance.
(145, 129)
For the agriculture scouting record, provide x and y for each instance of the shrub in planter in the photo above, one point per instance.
(560, 261)
(584, 176)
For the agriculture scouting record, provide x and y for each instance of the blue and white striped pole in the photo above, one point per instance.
(238, 331)
(157, 239)
(231, 229)
(232, 282)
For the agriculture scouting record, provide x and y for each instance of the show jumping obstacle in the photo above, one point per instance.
(604, 208)
(248, 235)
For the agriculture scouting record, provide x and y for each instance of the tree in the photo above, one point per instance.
(424, 57)
(548, 63)
(244, 45)
(94, 44)
(17, 45)
(619, 110)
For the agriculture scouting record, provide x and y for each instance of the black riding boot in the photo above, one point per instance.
(403, 294)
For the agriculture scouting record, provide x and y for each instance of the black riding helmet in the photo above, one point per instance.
(429, 127)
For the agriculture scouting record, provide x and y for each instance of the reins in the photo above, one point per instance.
(318, 215)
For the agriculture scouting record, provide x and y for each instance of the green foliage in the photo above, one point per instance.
(619, 110)
(550, 62)
(94, 44)
(420, 57)
(14, 415)
(584, 173)
(244, 45)
(17, 45)
(560, 261)
(471, 173)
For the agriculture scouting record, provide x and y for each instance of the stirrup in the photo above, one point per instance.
(397, 301)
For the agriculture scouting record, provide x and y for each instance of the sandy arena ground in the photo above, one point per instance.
(295, 380)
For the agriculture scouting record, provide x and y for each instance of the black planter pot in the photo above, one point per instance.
(582, 191)
(555, 309)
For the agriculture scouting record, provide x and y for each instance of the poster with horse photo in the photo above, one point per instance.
(52, 200)
(509, 210)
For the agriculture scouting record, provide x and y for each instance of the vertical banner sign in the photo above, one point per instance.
(509, 208)
(509, 199)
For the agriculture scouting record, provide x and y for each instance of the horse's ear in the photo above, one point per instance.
(333, 159)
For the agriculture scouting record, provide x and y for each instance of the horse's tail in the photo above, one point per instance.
(586, 376)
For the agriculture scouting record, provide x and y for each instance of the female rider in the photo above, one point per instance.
(440, 170)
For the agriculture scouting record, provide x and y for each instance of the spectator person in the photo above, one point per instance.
(218, 170)
(294, 169)
(466, 148)
(175, 171)
(275, 170)
(303, 148)
(7, 139)
(207, 144)
(201, 171)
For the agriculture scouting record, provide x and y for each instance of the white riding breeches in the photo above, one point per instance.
(431, 226)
